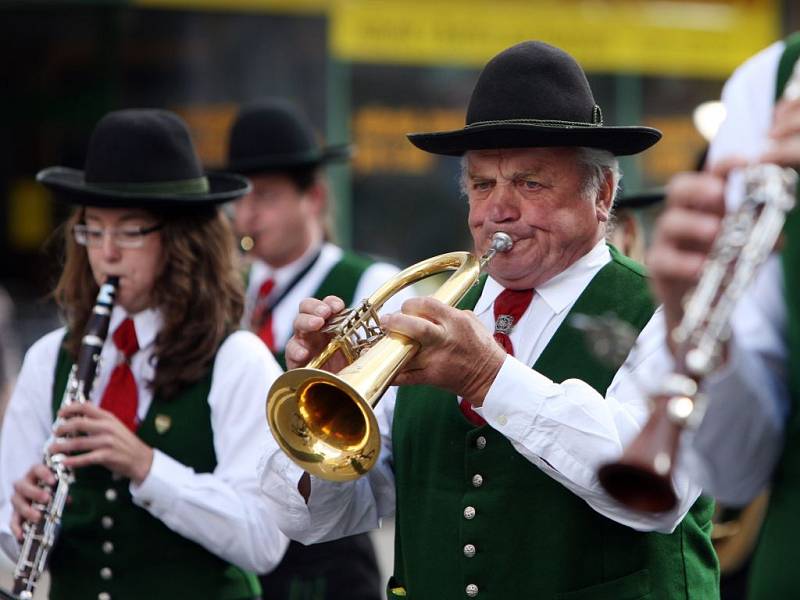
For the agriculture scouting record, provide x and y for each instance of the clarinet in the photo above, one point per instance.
(40, 537)
(642, 478)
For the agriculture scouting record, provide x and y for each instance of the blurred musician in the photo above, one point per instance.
(282, 222)
(750, 436)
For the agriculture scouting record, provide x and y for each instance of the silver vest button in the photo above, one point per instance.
(480, 442)
(472, 590)
(469, 550)
(105, 573)
(469, 512)
(107, 522)
(103, 596)
(477, 480)
(108, 547)
(111, 494)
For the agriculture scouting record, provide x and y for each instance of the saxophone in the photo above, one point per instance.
(40, 537)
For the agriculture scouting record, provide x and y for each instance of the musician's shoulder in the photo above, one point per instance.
(44, 351)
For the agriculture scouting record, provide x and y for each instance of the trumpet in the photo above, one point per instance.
(642, 478)
(324, 422)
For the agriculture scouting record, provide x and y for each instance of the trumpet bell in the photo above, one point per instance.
(322, 422)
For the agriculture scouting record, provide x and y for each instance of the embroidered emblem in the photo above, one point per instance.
(504, 324)
(163, 423)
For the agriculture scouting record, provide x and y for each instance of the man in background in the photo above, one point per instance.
(283, 224)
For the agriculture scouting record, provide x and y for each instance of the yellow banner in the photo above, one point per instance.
(667, 37)
(262, 6)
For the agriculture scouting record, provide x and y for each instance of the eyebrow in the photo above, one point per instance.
(516, 175)
(125, 217)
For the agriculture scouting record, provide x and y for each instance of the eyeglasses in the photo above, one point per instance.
(123, 237)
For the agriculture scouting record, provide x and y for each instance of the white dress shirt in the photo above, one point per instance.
(567, 430)
(284, 313)
(734, 451)
(222, 511)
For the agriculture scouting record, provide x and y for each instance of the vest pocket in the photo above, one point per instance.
(635, 586)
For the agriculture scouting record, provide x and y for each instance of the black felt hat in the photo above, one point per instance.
(142, 158)
(534, 95)
(272, 135)
(642, 199)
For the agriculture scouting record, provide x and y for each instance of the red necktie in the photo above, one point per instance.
(509, 307)
(262, 318)
(121, 396)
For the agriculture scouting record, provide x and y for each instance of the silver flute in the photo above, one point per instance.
(39, 537)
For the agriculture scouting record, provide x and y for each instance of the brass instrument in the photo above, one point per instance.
(325, 422)
(642, 478)
(40, 537)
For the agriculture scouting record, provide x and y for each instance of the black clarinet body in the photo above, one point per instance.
(39, 537)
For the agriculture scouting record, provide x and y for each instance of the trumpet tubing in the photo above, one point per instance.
(325, 422)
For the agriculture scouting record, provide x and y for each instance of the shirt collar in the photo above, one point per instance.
(282, 276)
(562, 290)
(147, 324)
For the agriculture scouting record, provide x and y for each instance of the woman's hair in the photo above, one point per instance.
(199, 294)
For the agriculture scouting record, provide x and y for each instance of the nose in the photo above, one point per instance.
(504, 205)
(111, 252)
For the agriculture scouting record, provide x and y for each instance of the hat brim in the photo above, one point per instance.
(71, 187)
(642, 199)
(620, 141)
(276, 162)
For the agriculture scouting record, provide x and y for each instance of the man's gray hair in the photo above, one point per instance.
(599, 162)
(596, 161)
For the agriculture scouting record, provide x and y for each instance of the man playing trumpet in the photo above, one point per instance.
(489, 464)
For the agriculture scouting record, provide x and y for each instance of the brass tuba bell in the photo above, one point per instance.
(324, 422)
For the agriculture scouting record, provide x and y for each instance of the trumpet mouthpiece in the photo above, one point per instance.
(501, 242)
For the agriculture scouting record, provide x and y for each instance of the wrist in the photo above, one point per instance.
(487, 373)
(143, 467)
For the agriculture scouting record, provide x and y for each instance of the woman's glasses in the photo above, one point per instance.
(123, 237)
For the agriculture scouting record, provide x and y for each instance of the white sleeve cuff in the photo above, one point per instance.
(161, 488)
(515, 386)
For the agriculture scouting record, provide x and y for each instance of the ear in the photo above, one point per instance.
(317, 195)
(605, 197)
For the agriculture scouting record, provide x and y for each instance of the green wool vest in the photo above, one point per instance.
(533, 537)
(774, 569)
(108, 544)
(341, 281)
